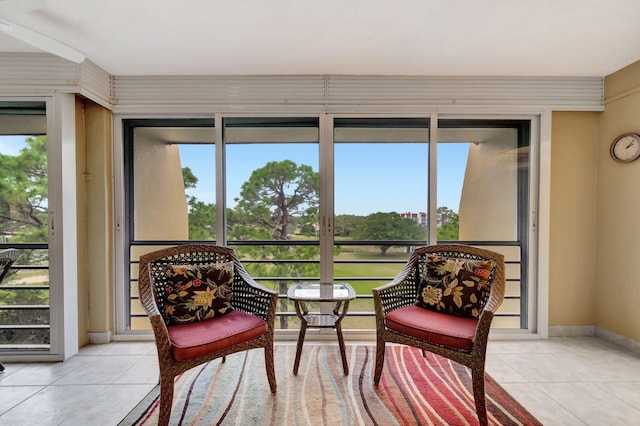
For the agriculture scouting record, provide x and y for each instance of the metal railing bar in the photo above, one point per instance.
(24, 287)
(24, 327)
(23, 307)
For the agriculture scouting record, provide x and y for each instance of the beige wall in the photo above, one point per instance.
(159, 194)
(594, 268)
(81, 190)
(160, 204)
(618, 205)
(572, 253)
(95, 220)
(594, 275)
(488, 203)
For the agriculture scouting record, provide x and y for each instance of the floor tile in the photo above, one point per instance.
(76, 405)
(592, 404)
(563, 381)
(628, 392)
(100, 370)
(10, 396)
(41, 373)
(145, 371)
(501, 371)
(120, 399)
(543, 407)
(130, 348)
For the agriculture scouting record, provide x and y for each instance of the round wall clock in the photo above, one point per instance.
(626, 148)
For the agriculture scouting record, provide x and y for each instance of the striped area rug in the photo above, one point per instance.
(413, 391)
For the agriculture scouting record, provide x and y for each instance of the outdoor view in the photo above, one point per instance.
(24, 292)
(278, 181)
(273, 198)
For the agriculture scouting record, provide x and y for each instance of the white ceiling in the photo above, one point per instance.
(370, 37)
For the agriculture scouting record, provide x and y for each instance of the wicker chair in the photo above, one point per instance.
(7, 257)
(184, 346)
(461, 339)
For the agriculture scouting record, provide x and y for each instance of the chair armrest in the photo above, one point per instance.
(398, 293)
(495, 299)
(148, 301)
(158, 325)
(252, 298)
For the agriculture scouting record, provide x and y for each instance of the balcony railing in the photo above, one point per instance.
(378, 272)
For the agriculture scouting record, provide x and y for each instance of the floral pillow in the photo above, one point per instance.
(197, 292)
(455, 286)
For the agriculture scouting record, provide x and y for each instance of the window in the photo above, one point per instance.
(24, 196)
(272, 201)
(170, 192)
(483, 193)
(381, 202)
(301, 204)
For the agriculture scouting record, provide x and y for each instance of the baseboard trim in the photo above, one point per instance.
(629, 344)
(572, 330)
(99, 338)
(601, 333)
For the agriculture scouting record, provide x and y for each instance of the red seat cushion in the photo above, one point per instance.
(199, 338)
(442, 329)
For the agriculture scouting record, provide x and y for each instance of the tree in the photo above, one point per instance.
(202, 216)
(23, 192)
(344, 224)
(445, 214)
(388, 226)
(272, 201)
(190, 180)
(23, 218)
(277, 192)
(202, 220)
(448, 224)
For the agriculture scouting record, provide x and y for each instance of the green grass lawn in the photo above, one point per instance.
(370, 275)
(384, 272)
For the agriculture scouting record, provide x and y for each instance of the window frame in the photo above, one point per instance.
(532, 302)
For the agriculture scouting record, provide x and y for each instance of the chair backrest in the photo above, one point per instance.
(7, 258)
(495, 282)
(153, 275)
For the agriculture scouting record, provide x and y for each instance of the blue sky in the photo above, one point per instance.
(11, 145)
(369, 177)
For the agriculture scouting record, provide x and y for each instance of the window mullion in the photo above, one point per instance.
(432, 215)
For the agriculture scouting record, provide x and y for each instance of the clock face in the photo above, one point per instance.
(626, 148)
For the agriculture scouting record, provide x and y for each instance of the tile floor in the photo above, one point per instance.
(562, 381)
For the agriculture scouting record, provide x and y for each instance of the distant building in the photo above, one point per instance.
(419, 218)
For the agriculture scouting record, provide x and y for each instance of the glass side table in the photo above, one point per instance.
(338, 293)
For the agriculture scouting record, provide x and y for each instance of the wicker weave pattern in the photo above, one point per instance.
(248, 296)
(403, 290)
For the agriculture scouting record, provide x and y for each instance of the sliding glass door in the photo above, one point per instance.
(329, 198)
(170, 194)
(381, 169)
(272, 183)
(483, 198)
(24, 218)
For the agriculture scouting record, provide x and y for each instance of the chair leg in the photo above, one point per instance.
(301, 334)
(268, 361)
(477, 378)
(343, 355)
(380, 346)
(166, 400)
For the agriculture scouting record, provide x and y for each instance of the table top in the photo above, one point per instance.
(315, 292)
